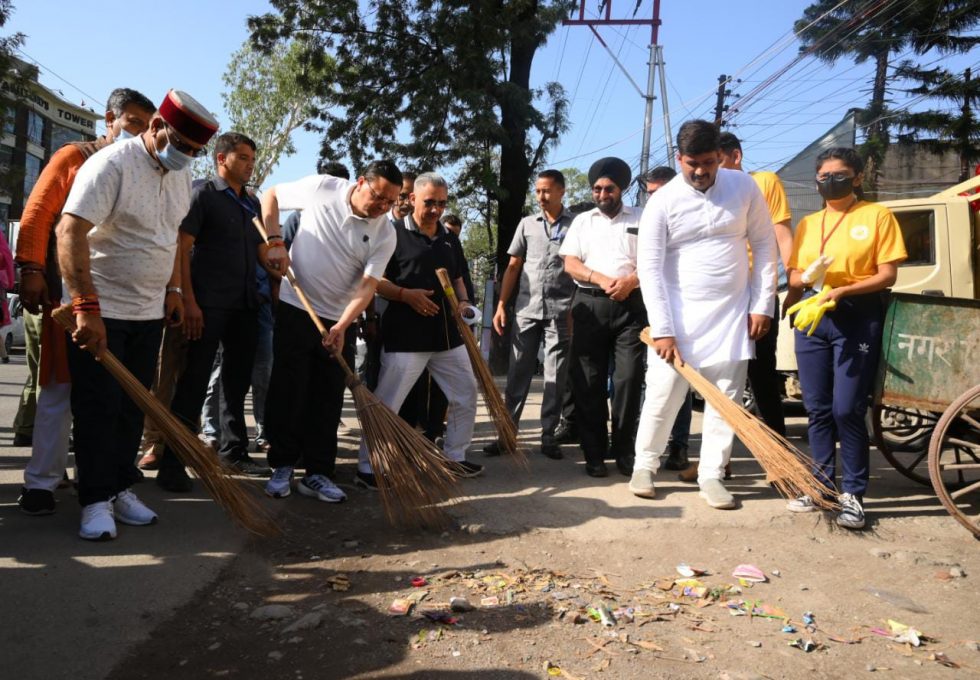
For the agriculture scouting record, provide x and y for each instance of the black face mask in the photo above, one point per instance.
(833, 188)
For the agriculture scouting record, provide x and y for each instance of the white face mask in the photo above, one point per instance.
(123, 134)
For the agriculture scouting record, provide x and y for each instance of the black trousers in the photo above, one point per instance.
(602, 326)
(765, 380)
(237, 332)
(306, 393)
(107, 424)
(426, 406)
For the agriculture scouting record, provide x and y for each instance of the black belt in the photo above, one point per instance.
(594, 292)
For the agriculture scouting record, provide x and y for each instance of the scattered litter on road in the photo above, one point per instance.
(805, 645)
(419, 582)
(896, 600)
(749, 573)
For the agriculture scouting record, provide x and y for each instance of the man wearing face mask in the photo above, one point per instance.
(706, 307)
(127, 114)
(122, 280)
(607, 317)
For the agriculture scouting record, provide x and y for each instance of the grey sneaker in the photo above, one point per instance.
(641, 484)
(129, 509)
(717, 496)
(321, 488)
(279, 485)
(851, 515)
(801, 504)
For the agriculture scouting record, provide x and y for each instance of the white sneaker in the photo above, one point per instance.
(278, 485)
(717, 496)
(97, 522)
(321, 488)
(641, 484)
(801, 504)
(851, 515)
(130, 510)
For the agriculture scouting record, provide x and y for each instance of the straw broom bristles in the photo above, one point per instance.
(192, 452)
(414, 477)
(499, 415)
(786, 466)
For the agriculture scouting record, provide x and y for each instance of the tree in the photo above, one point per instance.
(15, 77)
(945, 131)
(876, 30)
(433, 83)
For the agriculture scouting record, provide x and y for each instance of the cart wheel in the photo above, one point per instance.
(902, 435)
(954, 460)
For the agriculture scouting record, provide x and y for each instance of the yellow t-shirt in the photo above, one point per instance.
(772, 190)
(868, 235)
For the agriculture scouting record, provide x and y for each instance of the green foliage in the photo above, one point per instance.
(432, 84)
(16, 75)
(863, 31)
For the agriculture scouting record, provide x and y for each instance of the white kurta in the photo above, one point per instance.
(693, 266)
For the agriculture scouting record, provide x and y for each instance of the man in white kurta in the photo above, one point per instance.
(705, 305)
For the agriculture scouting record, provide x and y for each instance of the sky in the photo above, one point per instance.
(85, 54)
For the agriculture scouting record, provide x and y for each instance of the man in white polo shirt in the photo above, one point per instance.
(607, 317)
(117, 247)
(339, 254)
(706, 306)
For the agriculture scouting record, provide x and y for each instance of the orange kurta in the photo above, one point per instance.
(37, 223)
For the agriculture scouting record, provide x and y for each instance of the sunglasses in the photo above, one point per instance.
(176, 142)
(836, 176)
(433, 203)
(598, 191)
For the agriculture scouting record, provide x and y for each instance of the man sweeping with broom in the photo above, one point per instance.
(705, 306)
(117, 247)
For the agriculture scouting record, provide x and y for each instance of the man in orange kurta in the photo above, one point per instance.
(127, 114)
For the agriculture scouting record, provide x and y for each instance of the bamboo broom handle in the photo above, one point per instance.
(447, 288)
(291, 277)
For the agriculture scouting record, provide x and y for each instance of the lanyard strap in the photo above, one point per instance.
(824, 239)
(245, 204)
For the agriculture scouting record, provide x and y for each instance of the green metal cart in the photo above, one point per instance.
(926, 415)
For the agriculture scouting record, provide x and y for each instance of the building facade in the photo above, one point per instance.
(38, 124)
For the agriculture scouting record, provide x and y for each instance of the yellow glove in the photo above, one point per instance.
(809, 312)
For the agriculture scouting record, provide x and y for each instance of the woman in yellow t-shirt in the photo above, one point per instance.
(837, 363)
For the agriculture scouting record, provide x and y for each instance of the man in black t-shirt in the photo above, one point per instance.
(417, 328)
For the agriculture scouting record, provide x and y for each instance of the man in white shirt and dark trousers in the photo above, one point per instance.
(339, 254)
(706, 307)
(117, 247)
(607, 317)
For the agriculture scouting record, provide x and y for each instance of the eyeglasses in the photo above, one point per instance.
(836, 176)
(433, 203)
(378, 198)
(598, 191)
(403, 196)
(182, 146)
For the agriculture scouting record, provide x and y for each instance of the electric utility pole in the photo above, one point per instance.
(655, 66)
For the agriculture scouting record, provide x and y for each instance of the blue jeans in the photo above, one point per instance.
(837, 367)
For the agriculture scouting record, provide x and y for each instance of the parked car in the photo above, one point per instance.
(13, 333)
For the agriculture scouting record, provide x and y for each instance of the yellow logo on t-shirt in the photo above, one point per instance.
(859, 232)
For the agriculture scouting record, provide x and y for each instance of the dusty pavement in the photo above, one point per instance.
(534, 551)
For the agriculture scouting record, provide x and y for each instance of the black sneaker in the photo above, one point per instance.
(597, 470)
(676, 457)
(464, 468)
(365, 480)
(174, 479)
(246, 466)
(552, 451)
(625, 465)
(491, 450)
(565, 434)
(36, 502)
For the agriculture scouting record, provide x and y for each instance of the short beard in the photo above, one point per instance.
(612, 212)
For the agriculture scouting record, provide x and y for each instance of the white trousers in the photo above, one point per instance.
(52, 426)
(452, 371)
(665, 392)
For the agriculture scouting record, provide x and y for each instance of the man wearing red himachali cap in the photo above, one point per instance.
(117, 247)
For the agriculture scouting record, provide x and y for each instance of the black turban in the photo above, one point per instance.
(614, 168)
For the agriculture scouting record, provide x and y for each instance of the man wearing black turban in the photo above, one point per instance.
(607, 317)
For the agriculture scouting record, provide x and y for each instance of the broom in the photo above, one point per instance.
(786, 466)
(502, 422)
(192, 452)
(412, 474)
